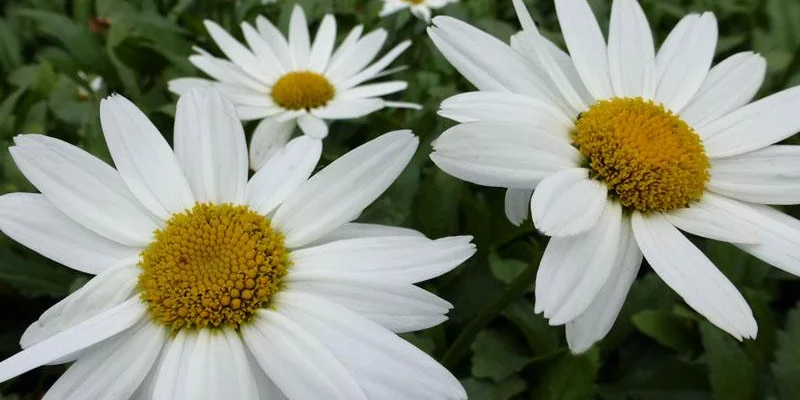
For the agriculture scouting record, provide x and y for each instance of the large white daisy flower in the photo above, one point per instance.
(290, 83)
(212, 286)
(420, 8)
(625, 147)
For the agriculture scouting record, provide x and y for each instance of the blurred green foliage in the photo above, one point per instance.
(51, 50)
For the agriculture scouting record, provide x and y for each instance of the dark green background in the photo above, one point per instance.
(658, 349)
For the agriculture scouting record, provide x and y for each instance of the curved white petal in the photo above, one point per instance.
(351, 46)
(276, 41)
(79, 337)
(631, 53)
(353, 230)
(377, 68)
(347, 109)
(373, 90)
(313, 126)
(300, 364)
(766, 176)
(238, 53)
(144, 159)
(344, 188)
(502, 154)
(595, 323)
(269, 137)
(216, 367)
(322, 49)
(690, 273)
(282, 174)
(780, 246)
(728, 86)
(101, 201)
(225, 71)
(409, 259)
(360, 345)
(716, 217)
(574, 269)
(353, 58)
(568, 202)
(32, 220)
(684, 59)
(754, 126)
(399, 307)
(299, 41)
(517, 205)
(271, 66)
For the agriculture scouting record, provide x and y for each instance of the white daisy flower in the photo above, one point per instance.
(290, 83)
(625, 147)
(212, 286)
(420, 8)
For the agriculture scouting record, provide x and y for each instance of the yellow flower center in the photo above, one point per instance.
(302, 90)
(210, 266)
(647, 156)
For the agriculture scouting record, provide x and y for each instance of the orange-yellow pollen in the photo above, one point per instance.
(648, 157)
(212, 266)
(302, 90)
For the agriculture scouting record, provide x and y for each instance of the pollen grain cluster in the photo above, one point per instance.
(648, 157)
(302, 90)
(211, 266)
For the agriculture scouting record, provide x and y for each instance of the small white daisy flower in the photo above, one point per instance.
(212, 286)
(420, 8)
(289, 83)
(625, 147)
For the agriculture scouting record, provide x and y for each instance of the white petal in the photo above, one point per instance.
(349, 109)
(568, 202)
(377, 68)
(754, 126)
(184, 85)
(108, 289)
(728, 86)
(216, 367)
(781, 239)
(33, 221)
(507, 108)
(266, 387)
(716, 217)
(766, 176)
(422, 12)
(276, 41)
(269, 137)
(75, 339)
(631, 53)
(586, 45)
(502, 154)
(313, 126)
(171, 370)
(517, 205)
(595, 323)
(409, 259)
(225, 71)
(211, 147)
(323, 44)
(354, 230)
(101, 202)
(299, 364)
(687, 271)
(344, 188)
(399, 307)
(373, 90)
(299, 42)
(144, 159)
(282, 174)
(404, 371)
(684, 59)
(347, 49)
(352, 61)
(238, 53)
(115, 369)
(265, 54)
(574, 269)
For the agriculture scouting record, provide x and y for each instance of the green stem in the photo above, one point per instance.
(460, 347)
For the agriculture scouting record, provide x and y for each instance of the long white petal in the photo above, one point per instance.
(347, 109)
(517, 205)
(299, 41)
(282, 174)
(238, 53)
(269, 137)
(766, 176)
(568, 202)
(271, 66)
(781, 239)
(92, 331)
(690, 273)
(631, 53)
(353, 230)
(225, 71)
(32, 220)
(363, 51)
(344, 188)
(408, 259)
(716, 217)
(144, 159)
(101, 202)
(323, 44)
(217, 368)
(277, 42)
(299, 364)
(361, 345)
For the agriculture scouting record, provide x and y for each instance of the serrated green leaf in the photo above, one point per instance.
(570, 378)
(541, 337)
(666, 328)
(496, 356)
(731, 373)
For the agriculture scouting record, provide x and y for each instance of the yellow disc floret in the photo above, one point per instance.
(302, 90)
(647, 156)
(211, 266)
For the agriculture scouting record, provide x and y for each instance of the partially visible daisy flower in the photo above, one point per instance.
(95, 85)
(289, 83)
(618, 148)
(420, 8)
(212, 286)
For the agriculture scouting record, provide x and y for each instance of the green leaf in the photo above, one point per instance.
(570, 378)
(541, 337)
(10, 50)
(496, 356)
(731, 373)
(666, 328)
(505, 270)
(479, 389)
(786, 367)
